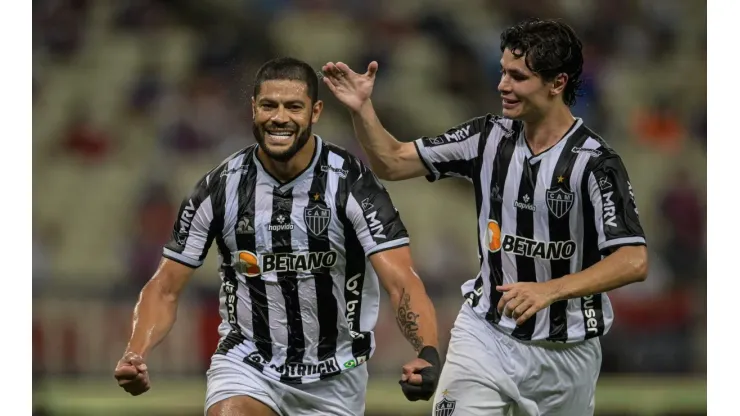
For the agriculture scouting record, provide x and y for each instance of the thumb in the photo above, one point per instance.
(138, 362)
(372, 68)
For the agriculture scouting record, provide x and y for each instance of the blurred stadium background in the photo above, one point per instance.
(133, 100)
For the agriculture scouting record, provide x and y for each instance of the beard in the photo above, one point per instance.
(282, 156)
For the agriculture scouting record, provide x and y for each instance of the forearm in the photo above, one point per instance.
(415, 315)
(626, 265)
(154, 315)
(380, 146)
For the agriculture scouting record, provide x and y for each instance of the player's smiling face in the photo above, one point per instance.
(283, 115)
(524, 94)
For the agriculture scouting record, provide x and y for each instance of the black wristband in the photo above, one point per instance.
(430, 355)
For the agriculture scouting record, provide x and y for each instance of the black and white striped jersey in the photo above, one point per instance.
(299, 298)
(539, 217)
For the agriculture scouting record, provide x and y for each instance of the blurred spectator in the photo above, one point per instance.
(652, 332)
(684, 214)
(139, 14)
(85, 140)
(660, 126)
(62, 24)
(146, 89)
(699, 126)
(154, 219)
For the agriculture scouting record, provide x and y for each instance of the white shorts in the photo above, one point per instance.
(340, 395)
(490, 373)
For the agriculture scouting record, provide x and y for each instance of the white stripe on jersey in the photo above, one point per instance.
(232, 204)
(486, 175)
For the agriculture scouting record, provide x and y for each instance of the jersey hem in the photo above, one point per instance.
(433, 175)
(178, 258)
(401, 242)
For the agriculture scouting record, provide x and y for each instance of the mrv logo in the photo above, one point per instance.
(610, 211)
(186, 219)
(376, 227)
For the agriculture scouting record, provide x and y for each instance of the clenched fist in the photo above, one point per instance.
(131, 373)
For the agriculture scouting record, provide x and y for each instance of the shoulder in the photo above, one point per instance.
(238, 162)
(601, 152)
(504, 128)
(339, 160)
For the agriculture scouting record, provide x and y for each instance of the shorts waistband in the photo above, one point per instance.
(551, 345)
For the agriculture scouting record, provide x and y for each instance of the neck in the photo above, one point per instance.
(544, 133)
(288, 170)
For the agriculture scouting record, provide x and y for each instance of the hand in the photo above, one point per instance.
(420, 375)
(351, 89)
(132, 374)
(522, 300)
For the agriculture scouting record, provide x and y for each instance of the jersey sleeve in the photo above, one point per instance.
(616, 216)
(193, 232)
(452, 153)
(376, 221)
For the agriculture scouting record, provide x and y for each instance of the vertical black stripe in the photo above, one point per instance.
(317, 216)
(559, 227)
(354, 272)
(525, 265)
(504, 154)
(246, 240)
(282, 207)
(591, 256)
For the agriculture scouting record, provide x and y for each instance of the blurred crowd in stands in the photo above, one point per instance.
(134, 100)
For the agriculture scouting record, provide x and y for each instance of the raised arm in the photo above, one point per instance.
(390, 159)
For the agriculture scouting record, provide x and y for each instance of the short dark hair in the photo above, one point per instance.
(551, 48)
(288, 69)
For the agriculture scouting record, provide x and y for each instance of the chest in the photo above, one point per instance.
(294, 220)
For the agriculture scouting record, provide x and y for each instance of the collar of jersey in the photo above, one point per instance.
(578, 122)
(306, 172)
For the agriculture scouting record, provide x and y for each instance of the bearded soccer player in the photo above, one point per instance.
(303, 232)
(558, 227)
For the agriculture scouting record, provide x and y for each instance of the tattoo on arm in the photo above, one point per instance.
(406, 319)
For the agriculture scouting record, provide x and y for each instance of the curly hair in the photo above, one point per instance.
(551, 48)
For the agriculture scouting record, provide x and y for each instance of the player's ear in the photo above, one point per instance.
(558, 84)
(318, 106)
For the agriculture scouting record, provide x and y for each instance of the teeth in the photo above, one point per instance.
(281, 133)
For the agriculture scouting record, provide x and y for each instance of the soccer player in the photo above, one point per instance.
(303, 232)
(557, 228)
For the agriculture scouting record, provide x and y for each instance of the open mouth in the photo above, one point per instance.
(509, 103)
(279, 135)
